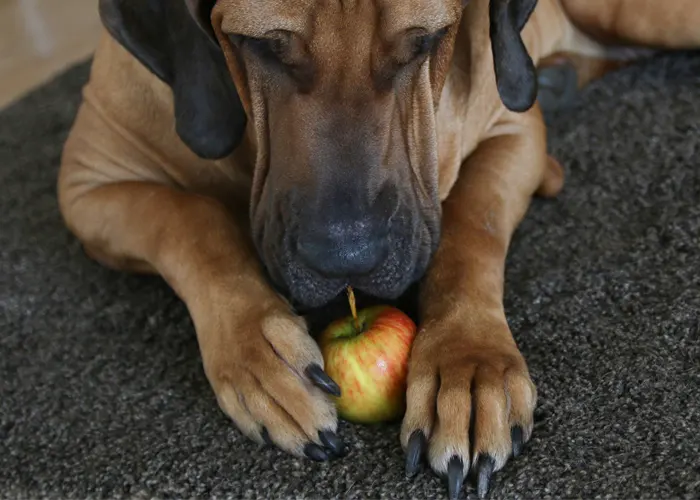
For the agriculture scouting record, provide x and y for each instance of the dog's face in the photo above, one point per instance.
(341, 97)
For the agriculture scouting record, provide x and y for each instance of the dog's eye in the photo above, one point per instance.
(415, 46)
(424, 43)
(410, 49)
(285, 52)
(275, 48)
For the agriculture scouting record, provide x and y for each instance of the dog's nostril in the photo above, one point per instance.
(343, 250)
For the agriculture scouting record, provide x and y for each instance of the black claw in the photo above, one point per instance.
(516, 436)
(322, 380)
(455, 477)
(331, 441)
(266, 437)
(414, 452)
(484, 467)
(315, 452)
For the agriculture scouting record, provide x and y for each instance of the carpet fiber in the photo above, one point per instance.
(103, 395)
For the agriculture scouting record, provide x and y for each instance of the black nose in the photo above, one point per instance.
(344, 247)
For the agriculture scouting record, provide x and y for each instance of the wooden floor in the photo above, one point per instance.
(39, 38)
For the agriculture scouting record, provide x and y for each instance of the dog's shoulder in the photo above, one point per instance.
(126, 127)
(469, 103)
(471, 109)
(129, 97)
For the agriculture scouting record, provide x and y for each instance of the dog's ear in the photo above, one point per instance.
(515, 72)
(174, 40)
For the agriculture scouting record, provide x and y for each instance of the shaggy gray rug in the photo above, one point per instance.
(103, 395)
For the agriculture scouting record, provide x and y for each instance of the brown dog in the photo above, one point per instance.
(263, 154)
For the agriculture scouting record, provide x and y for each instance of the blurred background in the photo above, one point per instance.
(39, 38)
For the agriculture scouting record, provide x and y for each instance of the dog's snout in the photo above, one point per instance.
(341, 248)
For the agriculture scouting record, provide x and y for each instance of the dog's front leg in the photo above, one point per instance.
(470, 398)
(265, 369)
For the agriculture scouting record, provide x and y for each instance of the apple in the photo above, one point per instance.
(366, 354)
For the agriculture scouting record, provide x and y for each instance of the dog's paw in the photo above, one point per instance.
(267, 374)
(470, 403)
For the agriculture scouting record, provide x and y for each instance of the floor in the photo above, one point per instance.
(39, 38)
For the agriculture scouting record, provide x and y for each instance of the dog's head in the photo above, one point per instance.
(341, 96)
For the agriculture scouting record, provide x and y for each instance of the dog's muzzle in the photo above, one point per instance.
(313, 252)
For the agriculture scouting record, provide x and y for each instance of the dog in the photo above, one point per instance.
(262, 155)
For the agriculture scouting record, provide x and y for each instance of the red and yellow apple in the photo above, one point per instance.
(366, 354)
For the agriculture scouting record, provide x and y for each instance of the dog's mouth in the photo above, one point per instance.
(410, 246)
(307, 289)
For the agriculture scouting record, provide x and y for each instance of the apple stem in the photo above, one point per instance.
(353, 308)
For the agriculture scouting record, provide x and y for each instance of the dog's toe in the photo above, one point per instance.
(552, 179)
(469, 410)
(275, 389)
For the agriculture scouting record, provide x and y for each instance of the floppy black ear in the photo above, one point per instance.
(515, 72)
(165, 37)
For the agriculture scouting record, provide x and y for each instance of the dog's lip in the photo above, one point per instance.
(334, 289)
(340, 301)
(319, 301)
(337, 290)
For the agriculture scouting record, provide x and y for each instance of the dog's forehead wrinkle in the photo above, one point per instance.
(256, 18)
(431, 15)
